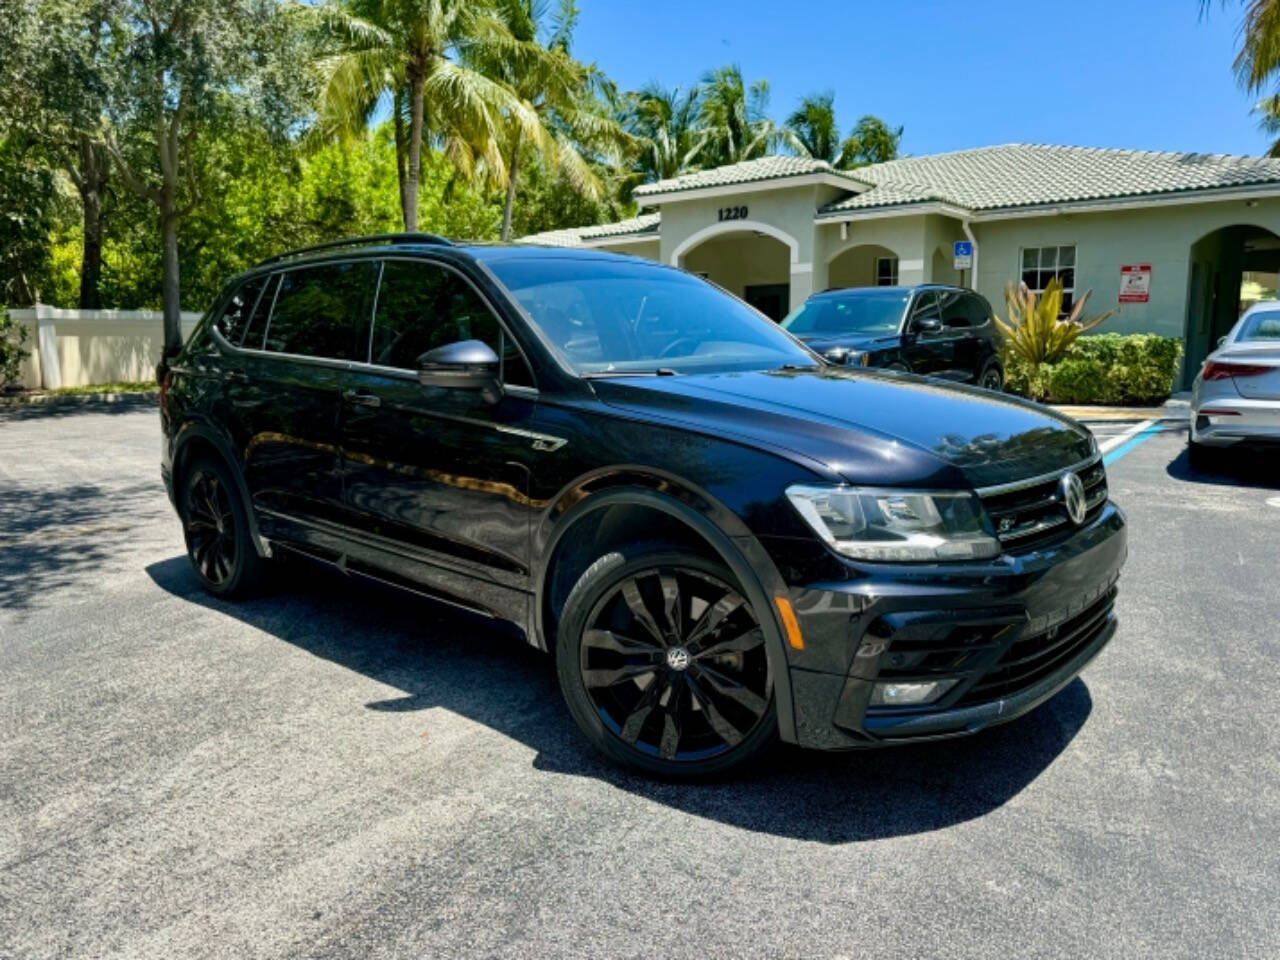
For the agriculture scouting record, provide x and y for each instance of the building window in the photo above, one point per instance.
(886, 271)
(1042, 264)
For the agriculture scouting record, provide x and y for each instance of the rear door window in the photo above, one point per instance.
(323, 311)
(955, 312)
(422, 306)
(925, 307)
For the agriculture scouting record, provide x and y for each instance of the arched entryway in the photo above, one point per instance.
(1230, 269)
(864, 265)
(752, 261)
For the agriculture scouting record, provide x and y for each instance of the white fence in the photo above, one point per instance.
(78, 348)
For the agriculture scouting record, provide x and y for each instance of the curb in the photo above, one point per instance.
(78, 399)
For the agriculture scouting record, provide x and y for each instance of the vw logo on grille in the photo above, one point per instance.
(678, 658)
(1071, 490)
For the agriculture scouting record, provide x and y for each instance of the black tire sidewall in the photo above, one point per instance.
(247, 568)
(987, 370)
(594, 583)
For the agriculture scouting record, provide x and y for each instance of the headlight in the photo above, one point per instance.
(888, 524)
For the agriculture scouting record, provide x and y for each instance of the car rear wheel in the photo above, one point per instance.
(215, 526)
(991, 378)
(664, 664)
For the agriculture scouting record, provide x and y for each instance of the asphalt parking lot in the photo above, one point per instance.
(335, 770)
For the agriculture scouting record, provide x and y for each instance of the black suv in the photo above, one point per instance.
(721, 537)
(932, 330)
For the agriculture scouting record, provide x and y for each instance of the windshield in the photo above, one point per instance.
(866, 313)
(616, 317)
(1260, 326)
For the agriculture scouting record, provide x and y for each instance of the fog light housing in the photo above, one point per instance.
(895, 694)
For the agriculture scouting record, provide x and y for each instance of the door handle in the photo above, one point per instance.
(361, 398)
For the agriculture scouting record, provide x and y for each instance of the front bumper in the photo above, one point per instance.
(1011, 632)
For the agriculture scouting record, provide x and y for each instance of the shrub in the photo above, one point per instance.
(13, 339)
(1035, 333)
(1106, 368)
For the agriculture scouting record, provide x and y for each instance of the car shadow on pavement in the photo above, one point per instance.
(440, 657)
(1233, 468)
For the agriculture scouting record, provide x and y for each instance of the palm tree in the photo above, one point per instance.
(812, 126)
(872, 141)
(664, 122)
(573, 124)
(1259, 56)
(1268, 111)
(413, 51)
(734, 117)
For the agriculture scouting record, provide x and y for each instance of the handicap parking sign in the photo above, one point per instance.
(964, 254)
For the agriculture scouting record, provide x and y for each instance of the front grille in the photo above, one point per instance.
(1031, 513)
(1033, 658)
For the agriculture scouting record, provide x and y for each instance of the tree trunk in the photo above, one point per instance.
(169, 240)
(415, 153)
(513, 170)
(398, 127)
(91, 184)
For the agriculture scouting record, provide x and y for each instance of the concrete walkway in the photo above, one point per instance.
(1177, 407)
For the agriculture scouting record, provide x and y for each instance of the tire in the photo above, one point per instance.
(632, 680)
(991, 378)
(898, 367)
(1199, 457)
(215, 527)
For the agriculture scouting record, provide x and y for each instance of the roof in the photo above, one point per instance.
(749, 171)
(1022, 175)
(637, 227)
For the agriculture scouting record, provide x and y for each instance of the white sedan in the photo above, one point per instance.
(1236, 396)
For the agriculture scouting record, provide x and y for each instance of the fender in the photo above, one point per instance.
(193, 429)
(731, 550)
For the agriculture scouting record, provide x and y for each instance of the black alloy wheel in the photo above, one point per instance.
(991, 379)
(670, 670)
(216, 530)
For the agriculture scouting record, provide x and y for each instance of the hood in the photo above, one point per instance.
(866, 426)
(852, 341)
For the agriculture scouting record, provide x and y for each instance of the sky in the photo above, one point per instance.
(1141, 74)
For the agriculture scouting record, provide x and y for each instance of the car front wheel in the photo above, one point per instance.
(664, 664)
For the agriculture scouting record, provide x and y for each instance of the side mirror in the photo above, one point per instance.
(926, 325)
(464, 365)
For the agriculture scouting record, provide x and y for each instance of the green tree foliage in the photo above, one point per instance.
(188, 65)
(735, 117)
(664, 124)
(13, 350)
(811, 130)
(1257, 63)
(412, 53)
(28, 210)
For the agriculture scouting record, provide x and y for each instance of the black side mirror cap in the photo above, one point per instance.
(463, 365)
(927, 325)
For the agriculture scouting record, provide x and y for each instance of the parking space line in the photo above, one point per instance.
(1116, 447)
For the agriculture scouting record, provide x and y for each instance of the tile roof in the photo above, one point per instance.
(1018, 175)
(749, 171)
(636, 227)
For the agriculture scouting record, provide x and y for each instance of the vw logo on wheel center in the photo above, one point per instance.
(678, 658)
(1071, 490)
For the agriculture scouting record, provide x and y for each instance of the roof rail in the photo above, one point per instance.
(390, 238)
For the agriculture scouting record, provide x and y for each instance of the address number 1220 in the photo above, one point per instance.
(733, 213)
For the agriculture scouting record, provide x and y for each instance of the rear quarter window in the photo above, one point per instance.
(238, 311)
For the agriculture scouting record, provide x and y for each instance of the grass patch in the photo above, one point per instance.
(140, 386)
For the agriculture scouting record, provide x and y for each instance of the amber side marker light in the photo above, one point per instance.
(789, 621)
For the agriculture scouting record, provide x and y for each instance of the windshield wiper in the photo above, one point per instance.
(602, 374)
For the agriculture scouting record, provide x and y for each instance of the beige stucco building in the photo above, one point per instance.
(1181, 229)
